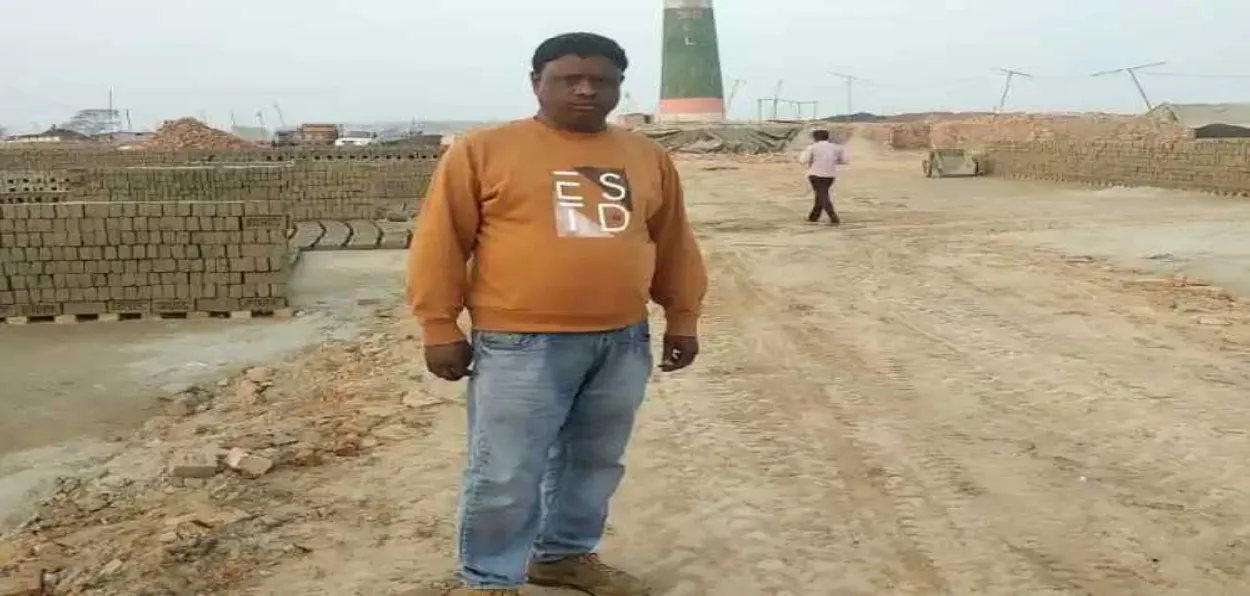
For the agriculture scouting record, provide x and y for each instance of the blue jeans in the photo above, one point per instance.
(549, 418)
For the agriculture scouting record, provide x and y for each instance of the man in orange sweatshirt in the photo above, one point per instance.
(568, 226)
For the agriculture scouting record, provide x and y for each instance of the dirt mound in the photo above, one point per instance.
(189, 133)
(211, 495)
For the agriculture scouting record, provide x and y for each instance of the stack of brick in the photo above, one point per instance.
(980, 132)
(881, 134)
(61, 157)
(1206, 165)
(318, 185)
(247, 183)
(904, 136)
(911, 136)
(355, 190)
(142, 257)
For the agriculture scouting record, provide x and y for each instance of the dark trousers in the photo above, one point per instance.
(821, 186)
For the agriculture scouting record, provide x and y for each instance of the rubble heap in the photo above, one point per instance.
(221, 488)
(189, 133)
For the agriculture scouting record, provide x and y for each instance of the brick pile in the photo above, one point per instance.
(976, 131)
(312, 191)
(979, 132)
(95, 158)
(189, 133)
(904, 136)
(1206, 165)
(318, 185)
(142, 257)
(94, 232)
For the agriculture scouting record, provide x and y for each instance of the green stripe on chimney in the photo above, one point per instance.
(691, 67)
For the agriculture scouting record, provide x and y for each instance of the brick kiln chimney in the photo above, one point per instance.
(691, 88)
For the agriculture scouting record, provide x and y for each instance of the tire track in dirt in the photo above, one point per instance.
(1106, 563)
(983, 423)
(935, 477)
(772, 517)
(991, 386)
(1145, 464)
(922, 490)
(927, 307)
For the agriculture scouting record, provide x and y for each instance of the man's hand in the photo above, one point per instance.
(679, 352)
(449, 362)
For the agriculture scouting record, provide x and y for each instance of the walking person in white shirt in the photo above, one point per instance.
(822, 159)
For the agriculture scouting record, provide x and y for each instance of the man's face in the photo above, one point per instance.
(578, 93)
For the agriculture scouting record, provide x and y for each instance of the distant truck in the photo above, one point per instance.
(314, 135)
(356, 138)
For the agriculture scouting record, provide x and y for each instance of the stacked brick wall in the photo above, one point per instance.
(1221, 166)
(102, 232)
(339, 184)
(140, 257)
(980, 132)
(906, 136)
(72, 157)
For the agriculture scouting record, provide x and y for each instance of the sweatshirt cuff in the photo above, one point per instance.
(682, 324)
(441, 332)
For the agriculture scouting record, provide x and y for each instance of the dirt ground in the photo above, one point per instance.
(973, 387)
(65, 389)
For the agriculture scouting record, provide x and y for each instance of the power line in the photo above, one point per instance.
(39, 98)
(850, 91)
(1132, 74)
(1010, 74)
(1197, 75)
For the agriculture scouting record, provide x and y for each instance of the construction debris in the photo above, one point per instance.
(189, 133)
(24, 584)
(251, 465)
(159, 518)
(724, 138)
(193, 465)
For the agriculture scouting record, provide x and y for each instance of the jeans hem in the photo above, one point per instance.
(545, 559)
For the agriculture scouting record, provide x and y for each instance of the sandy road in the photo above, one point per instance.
(918, 405)
(944, 396)
(922, 402)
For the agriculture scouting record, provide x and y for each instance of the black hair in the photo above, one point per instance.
(820, 134)
(585, 45)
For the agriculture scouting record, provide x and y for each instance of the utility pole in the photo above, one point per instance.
(1132, 74)
(850, 86)
(112, 126)
(777, 96)
(1010, 74)
(734, 86)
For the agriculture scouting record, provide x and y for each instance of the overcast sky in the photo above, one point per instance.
(370, 60)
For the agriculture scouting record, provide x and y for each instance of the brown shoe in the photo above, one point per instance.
(588, 574)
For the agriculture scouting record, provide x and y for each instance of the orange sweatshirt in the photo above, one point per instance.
(566, 232)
